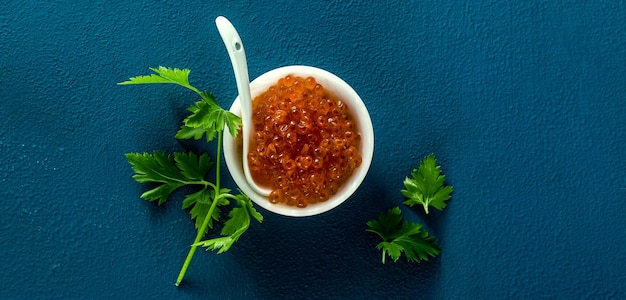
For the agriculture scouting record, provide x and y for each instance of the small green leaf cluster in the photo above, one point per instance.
(400, 236)
(426, 187)
(208, 118)
(237, 224)
(168, 173)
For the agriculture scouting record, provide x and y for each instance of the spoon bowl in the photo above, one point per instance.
(233, 148)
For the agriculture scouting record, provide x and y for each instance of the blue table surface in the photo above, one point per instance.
(522, 102)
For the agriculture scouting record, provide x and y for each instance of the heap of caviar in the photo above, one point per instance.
(305, 144)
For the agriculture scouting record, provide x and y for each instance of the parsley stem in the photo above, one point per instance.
(207, 218)
(218, 159)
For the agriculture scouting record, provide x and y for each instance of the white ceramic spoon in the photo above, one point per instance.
(237, 55)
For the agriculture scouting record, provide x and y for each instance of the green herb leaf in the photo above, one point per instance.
(234, 227)
(163, 75)
(193, 167)
(402, 237)
(200, 203)
(170, 172)
(426, 187)
(156, 168)
(209, 118)
(185, 132)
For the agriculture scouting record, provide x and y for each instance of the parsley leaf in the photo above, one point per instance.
(427, 186)
(402, 237)
(185, 132)
(200, 203)
(169, 172)
(193, 167)
(235, 226)
(164, 75)
(208, 118)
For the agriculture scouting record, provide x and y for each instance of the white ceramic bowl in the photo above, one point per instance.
(342, 91)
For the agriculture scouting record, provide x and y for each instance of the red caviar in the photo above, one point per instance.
(305, 144)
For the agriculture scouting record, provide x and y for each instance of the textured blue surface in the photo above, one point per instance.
(523, 103)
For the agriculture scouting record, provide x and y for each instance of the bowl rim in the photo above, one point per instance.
(341, 90)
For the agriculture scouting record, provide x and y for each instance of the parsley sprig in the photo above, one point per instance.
(426, 187)
(207, 117)
(402, 237)
(170, 173)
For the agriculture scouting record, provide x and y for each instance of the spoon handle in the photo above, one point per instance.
(237, 55)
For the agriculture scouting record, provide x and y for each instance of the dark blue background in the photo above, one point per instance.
(521, 101)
